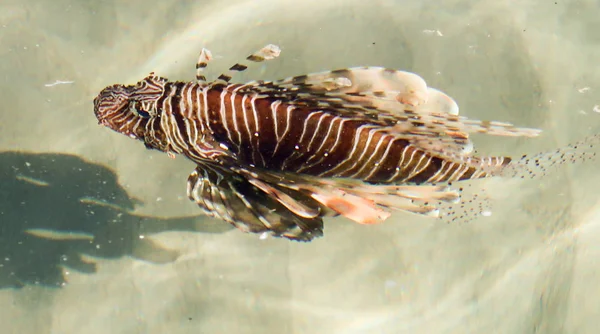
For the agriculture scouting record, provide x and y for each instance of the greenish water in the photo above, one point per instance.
(97, 235)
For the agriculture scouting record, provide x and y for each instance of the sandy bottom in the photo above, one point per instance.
(97, 236)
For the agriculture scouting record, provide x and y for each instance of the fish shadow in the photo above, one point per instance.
(58, 212)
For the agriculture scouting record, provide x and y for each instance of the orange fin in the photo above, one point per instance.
(358, 209)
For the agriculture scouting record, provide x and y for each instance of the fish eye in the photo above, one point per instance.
(136, 109)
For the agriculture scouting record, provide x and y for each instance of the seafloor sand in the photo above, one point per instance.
(530, 267)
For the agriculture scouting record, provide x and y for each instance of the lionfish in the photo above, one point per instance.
(275, 157)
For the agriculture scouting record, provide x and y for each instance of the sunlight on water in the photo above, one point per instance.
(98, 235)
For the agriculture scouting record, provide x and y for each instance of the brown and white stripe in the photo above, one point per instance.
(200, 120)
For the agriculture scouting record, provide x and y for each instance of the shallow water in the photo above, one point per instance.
(98, 237)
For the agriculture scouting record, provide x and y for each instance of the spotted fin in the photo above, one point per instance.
(357, 208)
(268, 52)
(400, 101)
(411, 88)
(414, 199)
(333, 198)
(410, 198)
(358, 86)
(388, 95)
(437, 118)
(375, 87)
(365, 203)
(540, 164)
(476, 201)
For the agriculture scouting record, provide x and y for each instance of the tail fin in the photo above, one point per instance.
(476, 201)
(540, 164)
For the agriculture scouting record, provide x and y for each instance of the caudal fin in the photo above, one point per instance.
(540, 164)
(476, 201)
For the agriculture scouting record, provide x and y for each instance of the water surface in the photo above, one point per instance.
(98, 237)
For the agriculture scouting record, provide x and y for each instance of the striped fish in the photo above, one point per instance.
(277, 156)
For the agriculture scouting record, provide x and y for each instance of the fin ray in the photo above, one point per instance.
(253, 206)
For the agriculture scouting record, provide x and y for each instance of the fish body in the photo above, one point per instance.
(279, 156)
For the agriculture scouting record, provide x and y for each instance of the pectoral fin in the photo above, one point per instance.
(252, 205)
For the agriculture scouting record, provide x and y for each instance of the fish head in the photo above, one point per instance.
(132, 110)
(111, 104)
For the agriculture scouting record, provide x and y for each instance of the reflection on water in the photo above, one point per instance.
(529, 267)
